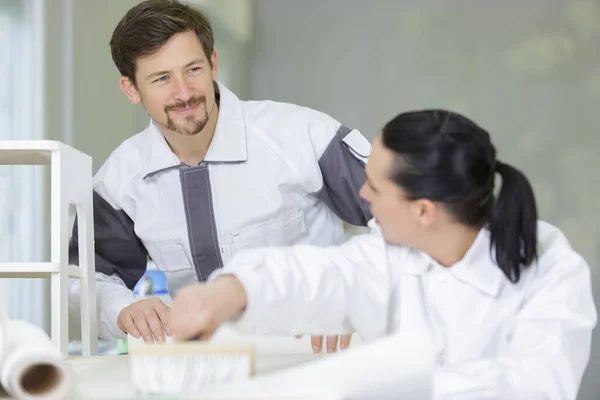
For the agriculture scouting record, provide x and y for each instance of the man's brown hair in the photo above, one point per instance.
(149, 25)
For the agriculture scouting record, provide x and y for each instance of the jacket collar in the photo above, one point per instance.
(228, 144)
(477, 268)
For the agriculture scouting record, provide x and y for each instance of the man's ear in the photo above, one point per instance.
(130, 90)
(214, 60)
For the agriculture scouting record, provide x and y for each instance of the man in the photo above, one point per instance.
(211, 175)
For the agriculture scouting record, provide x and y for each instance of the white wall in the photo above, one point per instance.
(21, 108)
(525, 70)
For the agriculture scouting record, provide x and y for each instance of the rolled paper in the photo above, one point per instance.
(33, 368)
(3, 336)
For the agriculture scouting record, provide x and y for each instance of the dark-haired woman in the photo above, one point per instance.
(504, 295)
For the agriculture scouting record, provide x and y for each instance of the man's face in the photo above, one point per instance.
(175, 85)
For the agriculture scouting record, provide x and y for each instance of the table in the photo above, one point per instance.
(107, 377)
(399, 366)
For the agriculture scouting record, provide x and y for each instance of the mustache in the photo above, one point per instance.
(191, 102)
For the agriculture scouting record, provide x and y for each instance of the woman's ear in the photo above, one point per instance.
(426, 212)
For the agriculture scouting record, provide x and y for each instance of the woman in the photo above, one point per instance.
(504, 295)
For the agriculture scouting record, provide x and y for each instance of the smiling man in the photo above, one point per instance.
(211, 175)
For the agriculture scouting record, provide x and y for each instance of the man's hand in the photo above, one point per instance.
(145, 318)
(331, 344)
(198, 310)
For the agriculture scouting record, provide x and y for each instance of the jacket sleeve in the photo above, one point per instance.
(342, 166)
(117, 249)
(549, 349)
(120, 256)
(112, 295)
(314, 290)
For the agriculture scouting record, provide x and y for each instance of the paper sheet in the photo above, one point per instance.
(264, 344)
(395, 367)
(274, 345)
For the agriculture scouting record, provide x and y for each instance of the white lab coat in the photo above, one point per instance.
(494, 339)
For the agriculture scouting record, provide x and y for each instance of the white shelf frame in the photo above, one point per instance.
(70, 184)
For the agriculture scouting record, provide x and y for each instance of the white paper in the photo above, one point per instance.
(395, 367)
(275, 345)
(263, 344)
(32, 367)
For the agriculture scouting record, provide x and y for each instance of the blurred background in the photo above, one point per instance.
(528, 71)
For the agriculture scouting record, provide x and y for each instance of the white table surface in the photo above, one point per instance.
(108, 377)
(395, 367)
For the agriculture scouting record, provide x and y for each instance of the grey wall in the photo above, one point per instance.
(525, 70)
(232, 22)
(101, 116)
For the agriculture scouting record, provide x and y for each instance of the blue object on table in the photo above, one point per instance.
(152, 283)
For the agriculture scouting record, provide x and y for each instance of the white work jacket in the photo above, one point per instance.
(274, 174)
(493, 339)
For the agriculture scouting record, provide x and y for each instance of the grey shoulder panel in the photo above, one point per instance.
(118, 250)
(343, 169)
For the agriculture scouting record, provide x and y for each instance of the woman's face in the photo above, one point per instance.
(399, 219)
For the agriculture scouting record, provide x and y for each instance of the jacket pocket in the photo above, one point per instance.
(169, 255)
(282, 231)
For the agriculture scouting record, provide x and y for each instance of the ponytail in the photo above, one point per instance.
(513, 224)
